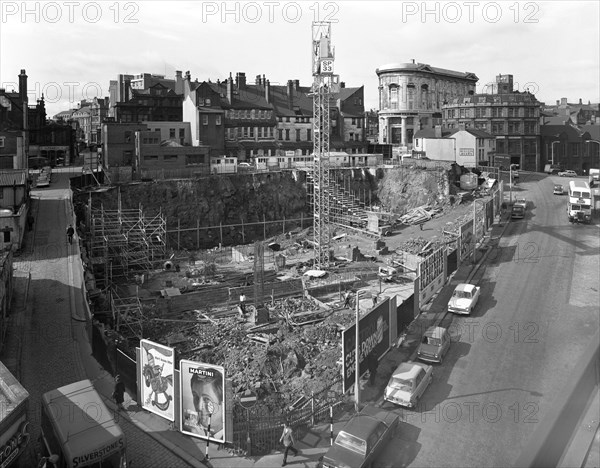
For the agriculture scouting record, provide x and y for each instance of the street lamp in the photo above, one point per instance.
(552, 146)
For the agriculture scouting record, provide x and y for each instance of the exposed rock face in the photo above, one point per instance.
(229, 204)
(403, 188)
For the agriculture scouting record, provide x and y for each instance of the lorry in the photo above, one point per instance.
(79, 430)
(14, 425)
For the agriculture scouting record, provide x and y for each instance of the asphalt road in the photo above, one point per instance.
(511, 357)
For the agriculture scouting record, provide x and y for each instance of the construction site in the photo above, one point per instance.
(261, 272)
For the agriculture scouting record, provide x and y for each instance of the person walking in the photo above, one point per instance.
(119, 393)
(372, 365)
(70, 232)
(287, 439)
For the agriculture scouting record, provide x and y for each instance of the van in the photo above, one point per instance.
(79, 430)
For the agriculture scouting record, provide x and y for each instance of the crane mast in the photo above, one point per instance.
(325, 83)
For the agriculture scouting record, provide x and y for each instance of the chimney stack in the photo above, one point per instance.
(342, 84)
(178, 82)
(580, 103)
(230, 89)
(257, 80)
(290, 88)
(23, 87)
(296, 85)
(240, 80)
(267, 90)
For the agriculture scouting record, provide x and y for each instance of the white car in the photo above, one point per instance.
(568, 173)
(464, 298)
(407, 383)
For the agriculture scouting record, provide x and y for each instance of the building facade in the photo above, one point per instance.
(157, 103)
(571, 147)
(247, 121)
(465, 147)
(411, 96)
(511, 116)
(151, 152)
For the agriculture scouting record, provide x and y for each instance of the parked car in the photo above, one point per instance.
(567, 173)
(558, 190)
(434, 345)
(362, 439)
(464, 298)
(407, 383)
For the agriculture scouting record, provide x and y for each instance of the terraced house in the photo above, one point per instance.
(249, 121)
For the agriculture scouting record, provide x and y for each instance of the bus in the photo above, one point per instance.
(579, 205)
(79, 430)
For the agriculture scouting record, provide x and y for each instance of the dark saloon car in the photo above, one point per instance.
(362, 439)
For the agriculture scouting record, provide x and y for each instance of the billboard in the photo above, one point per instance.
(202, 400)
(374, 336)
(431, 275)
(156, 390)
(466, 240)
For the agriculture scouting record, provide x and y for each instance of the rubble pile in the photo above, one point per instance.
(420, 215)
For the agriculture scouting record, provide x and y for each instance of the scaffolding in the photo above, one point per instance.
(125, 241)
(128, 317)
(325, 83)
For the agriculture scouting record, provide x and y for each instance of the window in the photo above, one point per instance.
(394, 97)
(171, 133)
(280, 134)
(353, 121)
(297, 134)
(205, 120)
(358, 123)
(2, 142)
(287, 134)
(193, 159)
(151, 157)
(287, 119)
(170, 157)
(182, 133)
(128, 136)
(218, 120)
(251, 132)
(308, 135)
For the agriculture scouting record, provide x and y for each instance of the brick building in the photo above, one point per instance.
(511, 116)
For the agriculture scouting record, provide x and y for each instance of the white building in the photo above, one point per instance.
(466, 147)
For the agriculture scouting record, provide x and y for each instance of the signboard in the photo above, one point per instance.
(431, 273)
(156, 363)
(248, 399)
(375, 336)
(202, 412)
(13, 442)
(466, 152)
(466, 238)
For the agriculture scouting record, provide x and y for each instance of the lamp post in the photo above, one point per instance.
(552, 146)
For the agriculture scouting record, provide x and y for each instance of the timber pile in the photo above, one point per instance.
(419, 215)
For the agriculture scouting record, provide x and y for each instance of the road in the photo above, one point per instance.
(510, 359)
(51, 341)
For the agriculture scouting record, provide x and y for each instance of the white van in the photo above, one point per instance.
(79, 430)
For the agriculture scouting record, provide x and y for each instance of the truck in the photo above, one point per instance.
(79, 430)
(14, 425)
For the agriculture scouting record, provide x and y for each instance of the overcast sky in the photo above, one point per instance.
(72, 49)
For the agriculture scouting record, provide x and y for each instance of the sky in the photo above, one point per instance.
(72, 49)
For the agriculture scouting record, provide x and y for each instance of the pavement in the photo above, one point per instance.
(149, 429)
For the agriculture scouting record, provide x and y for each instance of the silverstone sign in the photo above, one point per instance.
(374, 336)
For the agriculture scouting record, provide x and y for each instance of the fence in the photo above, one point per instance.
(256, 430)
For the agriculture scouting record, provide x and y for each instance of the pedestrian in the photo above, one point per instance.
(119, 393)
(372, 364)
(70, 232)
(421, 226)
(243, 303)
(287, 439)
(347, 298)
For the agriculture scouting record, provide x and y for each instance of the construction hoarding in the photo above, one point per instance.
(375, 336)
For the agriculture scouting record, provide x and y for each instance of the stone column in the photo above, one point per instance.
(403, 137)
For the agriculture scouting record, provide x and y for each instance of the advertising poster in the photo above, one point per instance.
(157, 363)
(374, 336)
(202, 400)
